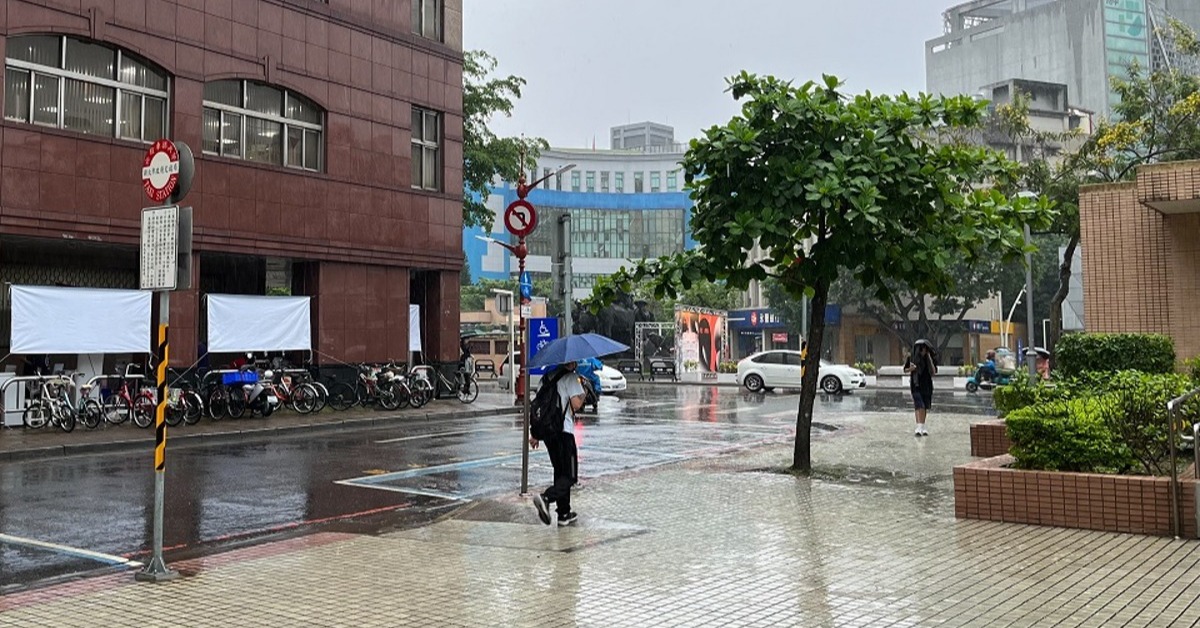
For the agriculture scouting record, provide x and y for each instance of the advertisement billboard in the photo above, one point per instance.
(700, 339)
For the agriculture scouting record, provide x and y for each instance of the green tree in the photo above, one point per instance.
(819, 182)
(473, 297)
(486, 156)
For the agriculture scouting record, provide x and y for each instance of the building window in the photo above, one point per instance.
(427, 18)
(673, 181)
(72, 84)
(655, 181)
(591, 181)
(575, 181)
(604, 182)
(260, 123)
(620, 182)
(614, 234)
(546, 175)
(638, 182)
(558, 181)
(426, 149)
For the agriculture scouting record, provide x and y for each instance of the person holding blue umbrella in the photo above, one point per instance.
(563, 387)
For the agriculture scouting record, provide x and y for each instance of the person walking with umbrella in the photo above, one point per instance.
(920, 367)
(563, 393)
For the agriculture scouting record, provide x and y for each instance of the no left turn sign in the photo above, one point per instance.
(520, 218)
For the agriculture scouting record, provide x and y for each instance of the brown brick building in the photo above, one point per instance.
(1141, 254)
(328, 143)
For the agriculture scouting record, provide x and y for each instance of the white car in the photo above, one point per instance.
(781, 369)
(611, 380)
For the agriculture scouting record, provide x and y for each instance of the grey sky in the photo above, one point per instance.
(592, 64)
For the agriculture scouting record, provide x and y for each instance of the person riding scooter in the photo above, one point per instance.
(987, 372)
(588, 371)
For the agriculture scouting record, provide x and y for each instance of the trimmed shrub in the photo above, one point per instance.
(727, 367)
(1140, 422)
(1069, 435)
(1076, 354)
(866, 367)
(1192, 368)
(1021, 394)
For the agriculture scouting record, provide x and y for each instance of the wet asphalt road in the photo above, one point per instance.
(362, 481)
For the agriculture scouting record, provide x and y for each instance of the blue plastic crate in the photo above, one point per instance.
(241, 377)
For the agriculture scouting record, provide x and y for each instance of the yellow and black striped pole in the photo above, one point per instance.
(160, 413)
(156, 570)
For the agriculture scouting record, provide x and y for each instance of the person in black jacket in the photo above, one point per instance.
(920, 367)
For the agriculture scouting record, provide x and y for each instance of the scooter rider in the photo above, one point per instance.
(988, 371)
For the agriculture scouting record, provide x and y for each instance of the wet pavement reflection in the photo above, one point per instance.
(95, 510)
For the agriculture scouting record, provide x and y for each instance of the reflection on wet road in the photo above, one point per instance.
(70, 515)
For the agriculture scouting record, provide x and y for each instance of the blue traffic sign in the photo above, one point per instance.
(526, 286)
(542, 331)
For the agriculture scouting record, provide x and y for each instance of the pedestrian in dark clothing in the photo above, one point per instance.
(561, 447)
(920, 367)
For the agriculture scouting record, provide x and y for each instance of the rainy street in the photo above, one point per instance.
(66, 516)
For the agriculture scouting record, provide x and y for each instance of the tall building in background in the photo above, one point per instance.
(624, 204)
(644, 135)
(1076, 43)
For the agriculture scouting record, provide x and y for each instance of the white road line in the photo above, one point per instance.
(440, 434)
(70, 551)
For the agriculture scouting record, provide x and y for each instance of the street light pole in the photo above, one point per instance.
(1030, 353)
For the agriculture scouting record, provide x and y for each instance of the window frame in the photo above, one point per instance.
(418, 18)
(437, 146)
(285, 123)
(120, 89)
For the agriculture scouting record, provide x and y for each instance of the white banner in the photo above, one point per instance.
(79, 320)
(414, 328)
(238, 323)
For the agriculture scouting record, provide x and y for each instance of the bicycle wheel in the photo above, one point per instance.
(193, 407)
(470, 392)
(388, 399)
(422, 393)
(117, 409)
(342, 396)
(36, 414)
(144, 410)
(237, 402)
(65, 418)
(218, 403)
(174, 413)
(92, 413)
(322, 396)
(304, 398)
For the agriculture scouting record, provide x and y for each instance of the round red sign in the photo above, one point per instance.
(160, 170)
(520, 218)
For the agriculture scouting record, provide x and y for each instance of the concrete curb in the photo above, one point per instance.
(235, 435)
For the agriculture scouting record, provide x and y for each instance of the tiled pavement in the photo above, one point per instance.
(724, 541)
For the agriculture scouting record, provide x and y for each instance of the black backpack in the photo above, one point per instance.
(546, 413)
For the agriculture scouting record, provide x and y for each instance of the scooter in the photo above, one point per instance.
(978, 380)
(260, 396)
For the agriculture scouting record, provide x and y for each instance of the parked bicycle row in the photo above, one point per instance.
(249, 390)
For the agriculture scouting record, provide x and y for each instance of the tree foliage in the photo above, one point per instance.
(821, 183)
(486, 156)
(473, 297)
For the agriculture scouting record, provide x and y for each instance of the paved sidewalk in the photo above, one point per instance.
(22, 444)
(870, 540)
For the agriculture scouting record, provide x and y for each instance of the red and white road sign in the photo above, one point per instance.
(520, 218)
(160, 170)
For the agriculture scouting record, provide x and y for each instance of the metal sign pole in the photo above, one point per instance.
(156, 570)
(524, 387)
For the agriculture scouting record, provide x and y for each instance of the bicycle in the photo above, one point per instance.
(463, 384)
(53, 404)
(123, 404)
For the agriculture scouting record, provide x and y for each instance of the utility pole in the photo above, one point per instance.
(563, 278)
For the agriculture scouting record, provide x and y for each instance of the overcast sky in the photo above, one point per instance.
(592, 64)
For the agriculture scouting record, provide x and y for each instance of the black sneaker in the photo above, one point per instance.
(567, 519)
(543, 511)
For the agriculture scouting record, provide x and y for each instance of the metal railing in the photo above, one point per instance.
(1173, 407)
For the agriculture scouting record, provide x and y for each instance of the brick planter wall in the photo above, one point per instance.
(989, 438)
(989, 490)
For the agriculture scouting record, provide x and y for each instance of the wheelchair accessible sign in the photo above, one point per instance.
(542, 331)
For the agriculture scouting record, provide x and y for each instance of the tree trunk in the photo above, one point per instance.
(1064, 288)
(802, 457)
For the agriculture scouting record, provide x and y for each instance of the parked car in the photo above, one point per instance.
(781, 369)
(612, 381)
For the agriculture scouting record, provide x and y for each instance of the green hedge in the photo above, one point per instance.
(1067, 436)
(1100, 422)
(1077, 354)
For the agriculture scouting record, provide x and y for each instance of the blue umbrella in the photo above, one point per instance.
(574, 349)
